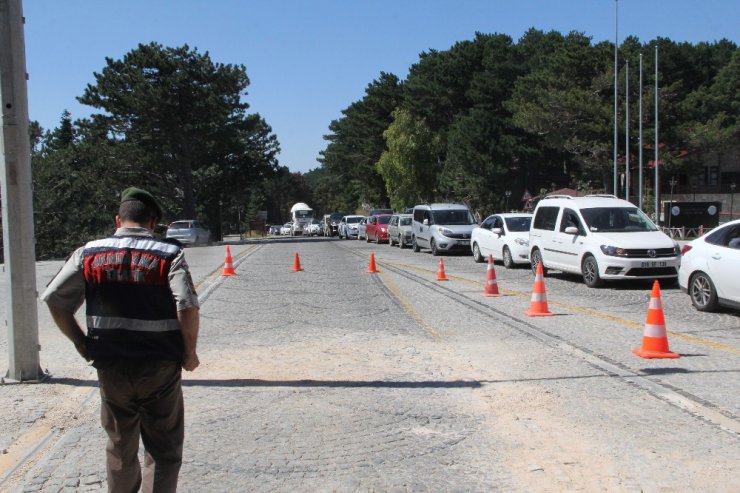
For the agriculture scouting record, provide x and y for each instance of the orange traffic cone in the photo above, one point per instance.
(655, 339)
(296, 263)
(538, 305)
(371, 265)
(441, 272)
(228, 264)
(491, 288)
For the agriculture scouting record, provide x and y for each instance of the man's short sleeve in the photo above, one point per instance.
(181, 283)
(67, 289)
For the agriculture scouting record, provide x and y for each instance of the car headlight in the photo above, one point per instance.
(445, 231)
(677, 249)
(613, 251)
(521, 241)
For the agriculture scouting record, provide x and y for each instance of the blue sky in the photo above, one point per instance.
(307, 60)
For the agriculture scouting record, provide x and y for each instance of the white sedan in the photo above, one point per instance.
(710, 268)
(505, 236)
(313, 228)
(286, 229)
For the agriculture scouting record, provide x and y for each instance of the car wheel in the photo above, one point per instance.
(400, 242)
(536, 258)
(414, 245)
(477, 256)
(433, 247)
(507, 258)
(590, 271)
(702, 292)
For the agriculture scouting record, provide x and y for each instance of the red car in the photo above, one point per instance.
(377, 228)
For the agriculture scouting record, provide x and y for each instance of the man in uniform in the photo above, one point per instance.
(142, 328)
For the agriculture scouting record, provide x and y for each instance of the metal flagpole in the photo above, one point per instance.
(657, 155)
(616, 123)
(639, 159)
(627, 131)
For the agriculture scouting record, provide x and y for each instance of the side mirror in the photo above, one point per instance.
(426, 222)
(571, 230)
(497, 231)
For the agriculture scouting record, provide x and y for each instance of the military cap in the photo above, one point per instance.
(134, 193)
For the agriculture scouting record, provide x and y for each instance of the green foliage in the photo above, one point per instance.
(486, 116)
(355, 145)
(409, 166)
(173, 122)
(489, 115)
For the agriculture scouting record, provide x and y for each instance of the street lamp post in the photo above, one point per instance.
(507, 194)
(732, 199)
(672, 183)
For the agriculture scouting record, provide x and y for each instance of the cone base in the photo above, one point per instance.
(298, 269)
(227, 274)
(442, 279)
(372, 271)
(530, 313)
(492, 295)
(654, 354)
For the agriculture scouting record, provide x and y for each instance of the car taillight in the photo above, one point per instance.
(685, 249)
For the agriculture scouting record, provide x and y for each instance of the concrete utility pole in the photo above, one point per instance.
(17, 203)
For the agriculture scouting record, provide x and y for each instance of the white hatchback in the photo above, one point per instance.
(600, 237)
(505, 236)
(710, 268)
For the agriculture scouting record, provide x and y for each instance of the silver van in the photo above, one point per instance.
(442, 228)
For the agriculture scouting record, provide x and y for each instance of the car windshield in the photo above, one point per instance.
(405, 221)
(518, 224)
(453, 217)
(337, 216)
(384, 219)
(355, 219)
(303, 214)
(617, 219)
(181, 225)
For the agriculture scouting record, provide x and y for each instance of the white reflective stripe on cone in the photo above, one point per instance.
(538, 297)
(655, 331)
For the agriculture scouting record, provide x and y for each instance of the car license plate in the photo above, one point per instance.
(654, 263)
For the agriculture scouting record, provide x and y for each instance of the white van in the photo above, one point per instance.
(600, 237)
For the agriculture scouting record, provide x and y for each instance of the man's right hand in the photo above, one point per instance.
(190, 362)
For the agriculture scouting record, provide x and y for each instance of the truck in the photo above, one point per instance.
(301, 215)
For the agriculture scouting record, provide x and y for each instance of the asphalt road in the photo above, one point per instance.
(336, 379)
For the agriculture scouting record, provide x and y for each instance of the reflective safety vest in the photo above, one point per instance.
(131, 312)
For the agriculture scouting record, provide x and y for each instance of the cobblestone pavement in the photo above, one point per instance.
(333, 379)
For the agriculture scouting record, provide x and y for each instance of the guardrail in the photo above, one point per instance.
(684, 233)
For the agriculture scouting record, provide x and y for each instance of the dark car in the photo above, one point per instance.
(331, 223)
